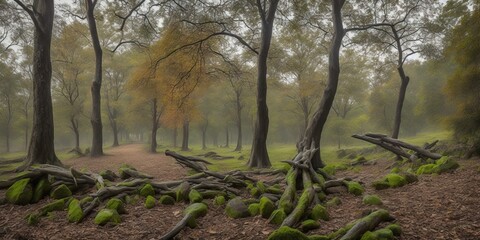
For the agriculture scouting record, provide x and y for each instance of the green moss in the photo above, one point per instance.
(166, 200)
(261, 186)
(57, 205)
(446, 164)
(354, 188)
(33, 219)
(182, 191)
(395, 170)
(85, 200)
(61, 191)
(116, 204)
(194, 196)
(237, 209)
(329, 169)
(395, 228)
(41, 189)
(266, 207)
(255, 192)
(334, 202)
(319, 212)
(319, 237)
(277, 216)
(426, 169)
(108, 175)
(372, 200)
(395, 180)
(196, 210)
(147, 190)
(322, 196)
(380, 185)
(274, 190)
(75, 212)
(107, 215)
(381, 234)
(219, 200)
(20, 192)
(308, 225)
(254, 209)
(409, 177)
(150, 202)
(287, 233)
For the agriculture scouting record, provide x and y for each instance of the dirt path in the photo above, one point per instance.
(436, 207)
(136, 155)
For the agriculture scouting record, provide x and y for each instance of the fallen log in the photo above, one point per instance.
(191, 213)
(367, 223)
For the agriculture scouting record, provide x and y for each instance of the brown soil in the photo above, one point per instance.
(436, 207)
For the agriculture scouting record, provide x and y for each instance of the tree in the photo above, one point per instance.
(9, 87)
(41, 148)
(462, 86)
(259, 155)
(96, 115)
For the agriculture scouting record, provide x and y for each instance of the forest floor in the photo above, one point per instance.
(436, 207)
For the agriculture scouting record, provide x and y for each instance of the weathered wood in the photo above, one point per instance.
(367, 223)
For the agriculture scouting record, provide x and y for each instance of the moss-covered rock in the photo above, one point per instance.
(20, 192)
(107, 216)
(446, 164)
(266, 207)
(116, 204)
(277, 216)
(261, 186)
(329, 169)
(319, 212)
(237, 209)
(395, 180)
(354, 188)
(426, 169)
(255, 192)
(147, 190)
(395, 228)
(380, 185)
(372, 200)
(182, 191)
(60, 192)
(196, 210)
(33, 219)
(166, 200)
(150, 202)
(381, 234)
(123, 173)
(319, 237)
(334, 202)
(254, 209)
(287, 233)
(308, 225)
(274, 190)
(194, 196)
(57, 205)
(108, 175)
(75, 212)
(395, 170)
(322, 196)
(219, 200)
(409, 177)
(41, 189)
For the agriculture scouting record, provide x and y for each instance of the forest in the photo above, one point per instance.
(225, 119)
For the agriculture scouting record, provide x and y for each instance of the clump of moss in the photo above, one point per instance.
(61, 191)
(287, 233)
(255, 192)
(372, 200)
(42, 188)
(147, 190)
(237, 209)
(150, 202)
(75, 212)
(277, 216)
(442, 165)
(395, 228)
(194, 196)
(391, 180)
(254, 209)
(266, 207)
(219, 200)
(330, 169)
(380, 185)
(354, 188)
(182, 191)
(116, 204)
(381, 234)
(166, 200)
(308, 225)
(107, 216)
(319, 212)
(334, 202)
(20, 192)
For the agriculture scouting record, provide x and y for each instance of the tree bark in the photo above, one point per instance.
(239, 123)
(227, 137)
(403, 87)
(315, 127)
(41, 148)
(186, 125)
(259, 155)
(96, 115)
(155, 118)
(76, 132)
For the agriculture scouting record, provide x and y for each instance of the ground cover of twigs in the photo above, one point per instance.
(440, 206)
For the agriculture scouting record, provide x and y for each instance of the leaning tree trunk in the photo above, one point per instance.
(315, 127)
(41, 148)
(96, 117)
(401, 98)
(259, 155)
(155, 118)
(185, 136)
(76, 132)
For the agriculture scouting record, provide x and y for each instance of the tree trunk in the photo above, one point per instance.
(186, 124)
(41, 149)
(315, 127)
(9, 124)
(401, 99)
(227, 137)
(96, 117)
(76, 132)
(259, 155)
(175, 133)
(153, 142)
(26, 124)
(239, 124)
(204, 137)
(115, 134)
